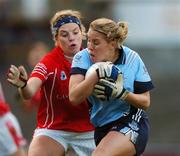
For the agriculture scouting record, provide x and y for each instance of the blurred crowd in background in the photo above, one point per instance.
(154, 32)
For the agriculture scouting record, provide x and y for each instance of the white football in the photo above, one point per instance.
(109, 71)
(91, 70)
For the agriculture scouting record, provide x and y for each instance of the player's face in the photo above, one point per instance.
(100, 49)
(69, 38)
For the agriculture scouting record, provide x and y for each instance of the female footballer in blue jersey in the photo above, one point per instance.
(118, 107)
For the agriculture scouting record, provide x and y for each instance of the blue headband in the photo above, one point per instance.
(65, 20)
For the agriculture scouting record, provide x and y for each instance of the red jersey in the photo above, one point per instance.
(4, 108)
(55, 110)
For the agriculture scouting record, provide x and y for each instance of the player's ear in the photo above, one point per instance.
(55, 40)
(113, 43)
(84, 36)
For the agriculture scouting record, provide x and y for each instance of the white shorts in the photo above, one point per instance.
(11, 138)
(81, 143)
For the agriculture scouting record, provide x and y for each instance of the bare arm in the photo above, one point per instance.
(33, 85)
(80, 88)
(139, 100)
(117, 91)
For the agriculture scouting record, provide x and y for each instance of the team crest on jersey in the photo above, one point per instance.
(63, 75)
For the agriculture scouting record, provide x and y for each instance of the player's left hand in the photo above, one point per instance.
(105, 89)
(17, 76)
(99, 91)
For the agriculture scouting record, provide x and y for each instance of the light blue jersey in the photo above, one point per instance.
(135, 76)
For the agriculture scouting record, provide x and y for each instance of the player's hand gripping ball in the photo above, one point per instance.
(104, 70)
(110, 81)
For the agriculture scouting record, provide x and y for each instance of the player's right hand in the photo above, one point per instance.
(17, 76)
(104, 69)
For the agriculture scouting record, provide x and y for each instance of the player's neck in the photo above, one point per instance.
(69, 58)
(116, 56)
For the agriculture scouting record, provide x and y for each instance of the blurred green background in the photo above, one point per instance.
(154, 32)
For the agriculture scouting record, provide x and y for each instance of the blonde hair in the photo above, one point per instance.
(111, 29)
(62, 14)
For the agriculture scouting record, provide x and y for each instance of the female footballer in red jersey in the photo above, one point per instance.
(60, 125)
(12, 141)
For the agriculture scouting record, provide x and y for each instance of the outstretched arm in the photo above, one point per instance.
(18, 77)
(33, 85)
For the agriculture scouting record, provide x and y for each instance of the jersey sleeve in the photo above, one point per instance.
(143, 80)
(40, 71)
(81, 62)
(142, 74)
